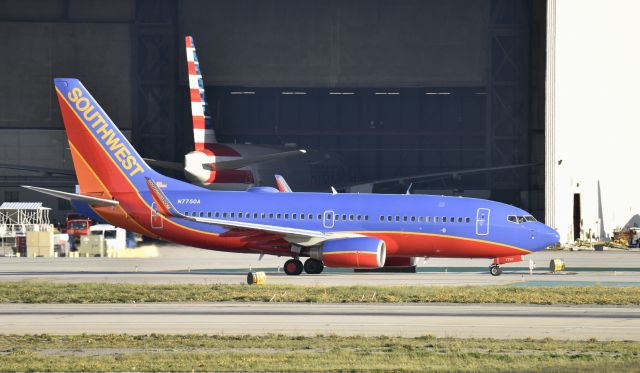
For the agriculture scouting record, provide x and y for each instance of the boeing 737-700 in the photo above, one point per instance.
(330, 229)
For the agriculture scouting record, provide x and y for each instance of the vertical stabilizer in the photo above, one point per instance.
(203, 133)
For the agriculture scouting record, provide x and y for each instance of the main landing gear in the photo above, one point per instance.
(495, 270)
(294, 267)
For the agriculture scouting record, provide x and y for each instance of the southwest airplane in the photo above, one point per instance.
(330, 229)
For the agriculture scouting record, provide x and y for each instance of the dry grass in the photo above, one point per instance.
(313, 354)
(41, 292)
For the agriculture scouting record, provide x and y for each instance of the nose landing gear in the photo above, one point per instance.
(495, 270)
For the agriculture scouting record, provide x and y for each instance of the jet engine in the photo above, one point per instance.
(355, 252)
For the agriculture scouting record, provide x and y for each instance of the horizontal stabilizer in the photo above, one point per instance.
(38, 169)
(93, 201)
(164, 164)
(247, 161)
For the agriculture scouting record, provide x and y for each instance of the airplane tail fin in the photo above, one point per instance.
(104, 160)
(203, 132)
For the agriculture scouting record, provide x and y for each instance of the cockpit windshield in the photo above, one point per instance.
(520, 219)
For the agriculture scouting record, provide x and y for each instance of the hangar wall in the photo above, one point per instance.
(596, 118)
(332, 43)
(437, 85)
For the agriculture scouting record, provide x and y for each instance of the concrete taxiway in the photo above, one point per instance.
(444, 320)
(178, 264)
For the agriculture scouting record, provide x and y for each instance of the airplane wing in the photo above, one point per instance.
(282, 184)
(247, 161)
(436, 175)
(93, 201)
(43, 170)
(302, 236)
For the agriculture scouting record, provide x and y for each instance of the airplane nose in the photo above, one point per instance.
(549, 236)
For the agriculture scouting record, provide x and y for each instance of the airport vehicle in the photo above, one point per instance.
(331, 229)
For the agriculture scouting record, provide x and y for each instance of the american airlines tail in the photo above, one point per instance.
(104, 160)
(203, 131)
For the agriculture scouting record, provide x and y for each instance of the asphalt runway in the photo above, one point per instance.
(178, 264)
(448, 320)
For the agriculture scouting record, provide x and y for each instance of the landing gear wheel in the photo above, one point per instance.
(313, 266)
(495, 270)
(293, 267)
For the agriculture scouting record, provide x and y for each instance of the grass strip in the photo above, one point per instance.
(43, 292)
(156, 352)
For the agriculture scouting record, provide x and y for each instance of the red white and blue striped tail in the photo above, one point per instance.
(203, 132)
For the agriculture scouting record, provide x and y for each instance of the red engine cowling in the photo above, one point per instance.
(356, 252)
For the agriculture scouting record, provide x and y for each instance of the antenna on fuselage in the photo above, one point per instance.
(409, 189)
(333, 190)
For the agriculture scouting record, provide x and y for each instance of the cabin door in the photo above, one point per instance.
(482, 222)
(328, 219)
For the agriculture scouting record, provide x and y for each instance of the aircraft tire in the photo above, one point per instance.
(495, 270)
(293, 267)
(313, 266)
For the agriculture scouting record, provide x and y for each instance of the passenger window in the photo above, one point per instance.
(310, 216)
(255, 215)
(359, 217)
(388, 217)
(217, 214)
(208, 214)
(459, 220)
(233, 214)
(404, 218)
(467, 220)
(381, 217)
(271, 215)
(413, 218)
(224, 214)
(294, 216)
(427, 219)
(239, 215)
(397, 217)
(444, 219)
(344, 217)
(263, 215)
(302, 216)
(336, 217)
(420, 219)
(286, 216)
(319, 217)
(452, 219)
(366, 217)
(278, 216)
(435, 219)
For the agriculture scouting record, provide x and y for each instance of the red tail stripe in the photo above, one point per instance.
(195, 95)
(191, 66)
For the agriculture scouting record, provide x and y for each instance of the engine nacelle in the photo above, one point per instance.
(356, 252)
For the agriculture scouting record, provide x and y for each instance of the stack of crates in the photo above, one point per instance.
(39, 244)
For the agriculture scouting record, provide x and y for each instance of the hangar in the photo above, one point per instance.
(386, 88)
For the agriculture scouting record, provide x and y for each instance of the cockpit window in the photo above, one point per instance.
(512, 218)
(520, 219)
(529, 218)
